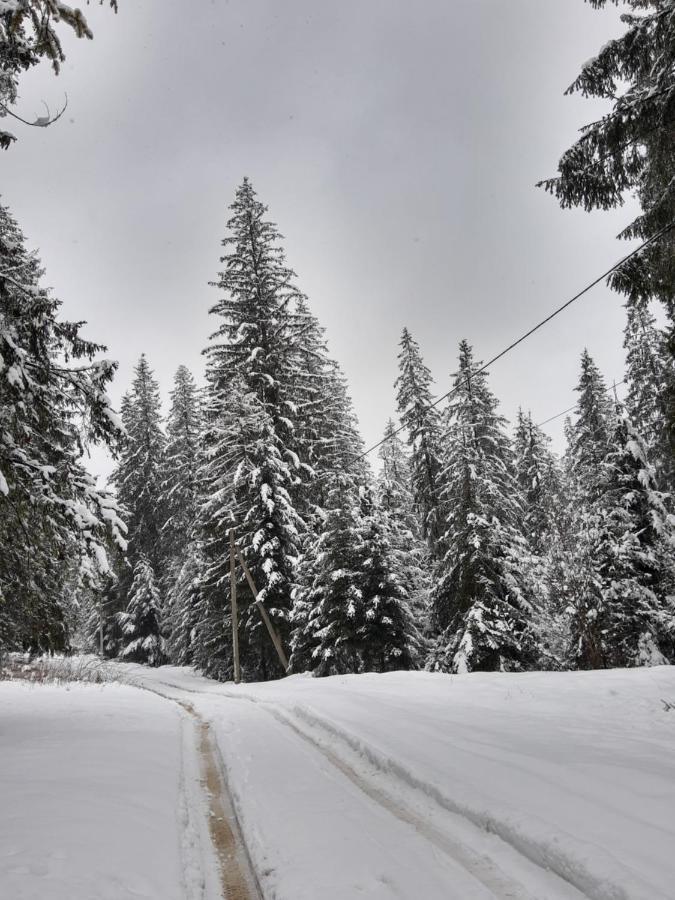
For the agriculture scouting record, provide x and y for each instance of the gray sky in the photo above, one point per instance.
(397, 146)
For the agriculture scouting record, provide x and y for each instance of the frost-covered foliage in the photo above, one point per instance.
(178, 487)
(409, 553)
(422, 423)
(648, 373)
(480, 604)
(30, 32)
(353, 612)
(141, 623)
(245, 481)
(631, 150)
(138, 473)
(623, 616)
(55, 523)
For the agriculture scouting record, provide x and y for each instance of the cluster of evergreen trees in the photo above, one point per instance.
(473, 548)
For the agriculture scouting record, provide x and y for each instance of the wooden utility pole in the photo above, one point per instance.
(276, 640)
(235, 611)
(100, 623)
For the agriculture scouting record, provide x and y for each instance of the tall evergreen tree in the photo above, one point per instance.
(254, 434)
(422, 422)
(409, 554)
(138, 473)
(141, 623)
(179, 470)
(624, 616)
(647, 375)
(630, 151)
(591, 432)
(539, 480)
(353, 614)
(53, 517)
(480, 603)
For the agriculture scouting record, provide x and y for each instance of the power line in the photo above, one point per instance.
(529, 333)
(571, 408)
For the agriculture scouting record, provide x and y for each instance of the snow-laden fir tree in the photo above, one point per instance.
(53, 517)
(539, 480)
(141, 623)
(547, 527)
(647, 375)
(422, 422)
(179, 472)
(184, 606)
(625, 616)
(395, 499)
(138, 472)
(253, 373)
(480, 602)
(353, 612)
(244, 480)
(591, 433)
(630, 151)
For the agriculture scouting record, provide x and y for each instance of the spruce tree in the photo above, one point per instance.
(179, 471)
(138, 472)
(422, 422)
(591, 432)
(647, 374)
(141, 623)
(253, 434)
(353, 613)
(54, 519)
(480, 602)
(624, 616)
(629, 151)
(539, 480)
(409, 553)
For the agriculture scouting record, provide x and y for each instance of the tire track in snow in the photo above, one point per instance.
(237, 876)
(478, 863)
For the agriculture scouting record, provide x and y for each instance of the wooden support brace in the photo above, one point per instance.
(276, 640)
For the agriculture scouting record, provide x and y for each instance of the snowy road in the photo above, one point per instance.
(108, 792)
(532, 787)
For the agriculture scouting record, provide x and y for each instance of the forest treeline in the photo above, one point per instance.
(469, 546)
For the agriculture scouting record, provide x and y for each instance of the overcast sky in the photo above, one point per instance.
(397, 145)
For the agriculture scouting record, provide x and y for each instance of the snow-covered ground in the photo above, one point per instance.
(99, 797)
(415, 785)
(409, 785)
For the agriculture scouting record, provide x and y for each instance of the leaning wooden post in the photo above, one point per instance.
(276, 640)
(235, 611)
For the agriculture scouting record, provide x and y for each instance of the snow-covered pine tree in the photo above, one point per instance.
(630, 152)
(480, 602)
(591, 431)
(179, 472)
(141, 623)
(52, 514)
(390, 635)
(539, 479)
(546, 524)
(138, 472)
(184, 606)
(352, 613)
(244, 482)
(254, 381)
(409, 553)
(422, 422)
(647, 374)
(625, 616)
